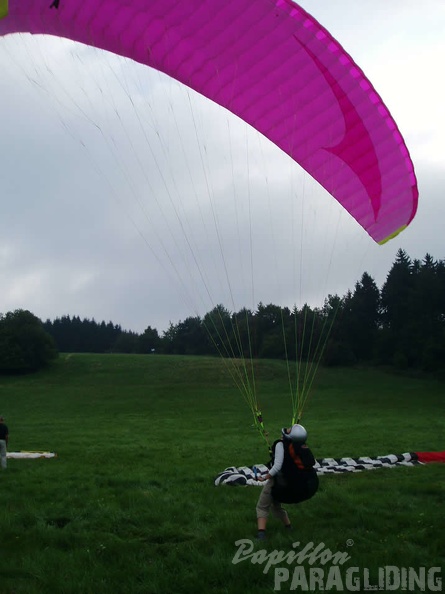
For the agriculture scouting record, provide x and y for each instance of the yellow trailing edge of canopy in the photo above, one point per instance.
(392, 234)
(3, 8)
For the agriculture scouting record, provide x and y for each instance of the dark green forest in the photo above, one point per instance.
(400, 325)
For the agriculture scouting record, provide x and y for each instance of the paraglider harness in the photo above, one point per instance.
(297, 479)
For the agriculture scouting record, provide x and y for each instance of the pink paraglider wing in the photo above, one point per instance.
(273, 65)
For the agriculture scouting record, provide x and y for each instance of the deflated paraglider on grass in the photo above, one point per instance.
(248, 475)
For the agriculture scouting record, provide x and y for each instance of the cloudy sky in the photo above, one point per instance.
(127, 197)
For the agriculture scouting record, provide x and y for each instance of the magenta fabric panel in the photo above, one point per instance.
(273, 65)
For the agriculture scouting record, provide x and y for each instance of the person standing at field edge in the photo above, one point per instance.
(292, 477)
(4, 434)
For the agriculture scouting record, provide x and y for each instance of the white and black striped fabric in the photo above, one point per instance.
(246, 475)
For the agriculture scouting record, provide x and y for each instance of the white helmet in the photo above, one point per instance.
(297, 433)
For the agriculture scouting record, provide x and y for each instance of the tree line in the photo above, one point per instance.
(401, 325)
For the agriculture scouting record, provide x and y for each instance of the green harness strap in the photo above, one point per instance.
(259, 424)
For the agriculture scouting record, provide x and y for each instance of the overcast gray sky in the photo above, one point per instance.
(127, 197)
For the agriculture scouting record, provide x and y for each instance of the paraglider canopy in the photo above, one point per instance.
(273, 65)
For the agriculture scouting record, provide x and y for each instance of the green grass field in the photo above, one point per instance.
(129, 505)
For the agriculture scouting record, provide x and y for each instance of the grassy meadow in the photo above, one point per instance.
(129, 505)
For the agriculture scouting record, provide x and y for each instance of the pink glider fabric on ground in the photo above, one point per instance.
(273, 65)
